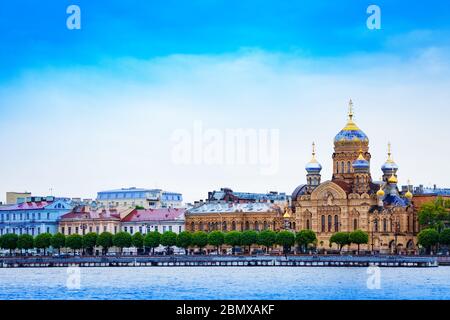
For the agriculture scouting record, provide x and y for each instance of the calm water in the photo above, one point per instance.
(225, 283)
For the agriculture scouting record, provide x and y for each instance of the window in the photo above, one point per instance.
(76, 230)
(115, 229)
(125, 229)
(233, 225)
(48, 229)
(164, 228)
(342, 167)
(97, 229)
(62, 230)
(140, 229)
(348, 167)
(179, 229)
(48, 215)
(355, 224)
(38, 230)
(329, 223)
(90, 228)
(104, 228)
(131, 230)
(39, 216)
(384, 225)
(307, 224)
(323, 223)
(336, 223)
(247, 225)
(376, 225)
(170, 228)
(192, 226)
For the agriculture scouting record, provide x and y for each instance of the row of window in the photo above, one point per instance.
(130, 229)
(160, 229)
(25, 216)
(210, 226)
(19, 231)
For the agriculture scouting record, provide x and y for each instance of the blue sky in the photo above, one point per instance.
(139, 70)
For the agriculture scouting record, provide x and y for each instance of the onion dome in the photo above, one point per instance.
(408, 194)
(392, 179)
(286, 215)
(313, 166)
(360, 164)
(380, 193)
(351, 133)
(389, 165)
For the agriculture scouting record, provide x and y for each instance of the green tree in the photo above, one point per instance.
(233, 239)
(74, 242)
(286, 239)
(168, 239)
(105, 240)
(43, 241)
(249, 238)
(25, 242)
(184, 240)
(152, 240)
(341, 239)
(434, 214)
(137, 240)
(267, 238)
(122, 240)
(89, 242)
(359, 237)
(444, 237)
(216, 238)
(9, 241)
(304, 238)
(200, 239)
(428, 238)
(58, 241)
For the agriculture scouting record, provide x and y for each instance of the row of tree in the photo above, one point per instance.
(152, 240)
(434, 216)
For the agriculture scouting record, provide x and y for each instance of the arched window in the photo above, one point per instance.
(349, 167)
(224, 226)
(384, 225)
(329, 223)
(337, 167)
(336, 223)
(407, 223)
(376, 225)
(342, 167)
(200, 226)
(293, 225)
(247, 225)
(265, 225)
(233, 225)
(323, 223)
(355, 224)
(192, 226)
(256, 226)
(307, 224)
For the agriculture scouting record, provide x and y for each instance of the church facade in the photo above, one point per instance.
(351, 200)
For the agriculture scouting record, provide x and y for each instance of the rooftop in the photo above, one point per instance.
(162, 214)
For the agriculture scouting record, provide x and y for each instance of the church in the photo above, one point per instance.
(351, 200)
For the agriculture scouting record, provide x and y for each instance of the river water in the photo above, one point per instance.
(190, 283)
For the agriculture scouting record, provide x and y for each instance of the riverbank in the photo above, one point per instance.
(227, 261)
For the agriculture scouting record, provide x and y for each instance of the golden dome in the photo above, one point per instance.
(408, 195)
(286, 215)
(392, 179)
(380, 193)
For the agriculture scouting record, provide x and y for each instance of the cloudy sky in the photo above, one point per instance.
(103, 107)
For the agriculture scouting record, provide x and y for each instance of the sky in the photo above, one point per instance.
(115, 103)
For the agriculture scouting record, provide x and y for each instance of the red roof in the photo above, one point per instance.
(153, 215)
(82, 213)
(27, 206)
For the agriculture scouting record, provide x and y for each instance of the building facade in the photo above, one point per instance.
(228, 195)
(125, 198)
(225, 216)
(149, 220)
(33, 215)
(352, 200)
(12, 197)
(82, 220)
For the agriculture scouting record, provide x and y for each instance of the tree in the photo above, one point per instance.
(341, 239)
(233, 239)
(25, 242)
(89, 242)
(105, 240)
(137, 240)
(428, 238)
(74, 242)
(43, 241)
(286, 239)
(184, 240)
(152, 240)
(216, 238)
(267, 238)
(359, 237)
(200, 239)
(304, 238)
(249, 238)
(9, 241)
(444, 237)
(434, 213)
(58, 241)
(122, 240)
(168, 239)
